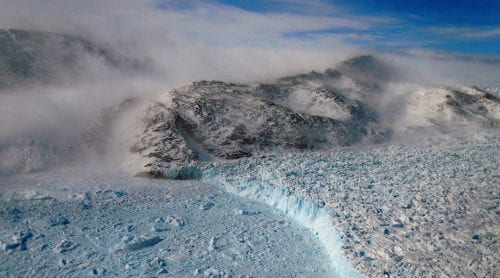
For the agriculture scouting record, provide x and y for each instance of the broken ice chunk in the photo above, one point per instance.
(142, 242)
(66, 246)
(59, 220)
(207, 206)
(173, 220)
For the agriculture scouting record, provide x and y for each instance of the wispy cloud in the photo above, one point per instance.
(217, 23)
(467, 32)
(203, 22)
(222, 24)
(203, 39)
(318, 7)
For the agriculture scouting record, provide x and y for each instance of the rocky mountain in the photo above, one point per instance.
(448, 107)
(215, 120)
(355, 103)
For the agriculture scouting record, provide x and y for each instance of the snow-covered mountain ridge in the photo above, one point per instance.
(355, 104)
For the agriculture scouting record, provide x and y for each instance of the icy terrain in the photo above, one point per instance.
(405, 211)
(66, 224)
(428, 210)
(362, 101)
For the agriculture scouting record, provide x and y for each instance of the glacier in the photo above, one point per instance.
(372, 211)
(384, 210)
(316, 219)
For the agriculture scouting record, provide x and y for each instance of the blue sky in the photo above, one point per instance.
(464, 26)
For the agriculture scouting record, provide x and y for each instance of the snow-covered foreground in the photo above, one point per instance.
(398, 210)
(407, 211)
(69, 224)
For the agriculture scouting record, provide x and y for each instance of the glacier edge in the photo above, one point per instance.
(312, 217)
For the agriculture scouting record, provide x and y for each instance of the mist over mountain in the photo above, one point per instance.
(35, 57)
(353, 104)
(51, 85)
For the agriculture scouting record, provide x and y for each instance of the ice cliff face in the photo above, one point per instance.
(215, 120)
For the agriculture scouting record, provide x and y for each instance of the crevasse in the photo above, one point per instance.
(316, 219)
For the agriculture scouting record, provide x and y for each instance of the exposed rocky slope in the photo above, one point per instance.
(450, 107)
(212, 120)
(355, 103)
(217, 120)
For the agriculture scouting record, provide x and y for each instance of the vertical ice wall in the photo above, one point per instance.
(305, 213)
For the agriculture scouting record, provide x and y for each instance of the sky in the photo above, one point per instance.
(463, 26)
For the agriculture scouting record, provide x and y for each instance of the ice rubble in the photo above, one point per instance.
(396, 210)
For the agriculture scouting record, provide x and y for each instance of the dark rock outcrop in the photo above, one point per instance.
(215, 120)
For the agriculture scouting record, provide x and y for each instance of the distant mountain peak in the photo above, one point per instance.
(367, 68)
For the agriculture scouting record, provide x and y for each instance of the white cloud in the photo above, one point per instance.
(444, 68)
(223, 23)
(194, 39)
(467, 32)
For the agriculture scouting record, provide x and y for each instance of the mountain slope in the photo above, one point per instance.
(215, 120)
